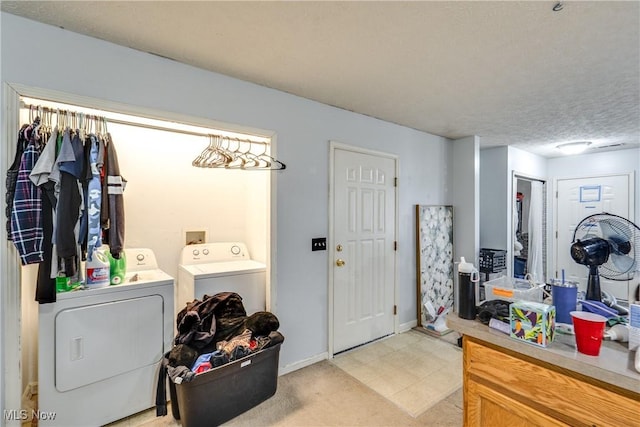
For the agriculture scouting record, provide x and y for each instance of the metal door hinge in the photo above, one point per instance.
(395, 310)
(395, 245)
(395, 182)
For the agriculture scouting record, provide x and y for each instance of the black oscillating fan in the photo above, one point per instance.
(609, 245)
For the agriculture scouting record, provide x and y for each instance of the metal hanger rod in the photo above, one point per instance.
(150, 126)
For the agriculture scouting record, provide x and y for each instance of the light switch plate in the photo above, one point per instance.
(319, 244)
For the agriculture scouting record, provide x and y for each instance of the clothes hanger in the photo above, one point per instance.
(274, 164)
(224, 155)
(236, 155)
(215, 156)
(199, 161)
(253, 161)
(259, 161)
(240, 156)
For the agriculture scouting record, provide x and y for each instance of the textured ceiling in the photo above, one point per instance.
(514, 73)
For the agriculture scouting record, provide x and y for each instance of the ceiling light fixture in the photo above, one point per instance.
(573, 147)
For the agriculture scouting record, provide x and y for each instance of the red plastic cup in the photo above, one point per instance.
(589, 329)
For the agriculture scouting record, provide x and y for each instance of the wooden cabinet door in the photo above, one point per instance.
(503, 389)
(487, 407)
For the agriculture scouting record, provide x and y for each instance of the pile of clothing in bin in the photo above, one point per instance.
(213, 332)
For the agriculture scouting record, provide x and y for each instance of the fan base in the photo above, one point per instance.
(593, 285)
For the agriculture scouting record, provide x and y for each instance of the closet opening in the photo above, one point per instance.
(529, 228)
(175, 186)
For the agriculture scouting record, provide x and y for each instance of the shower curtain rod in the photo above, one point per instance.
(143, 125)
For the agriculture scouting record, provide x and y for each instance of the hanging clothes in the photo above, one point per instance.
(115, 185)
(70, 161)
(26, 212)
(64, 198)
(46, 283)
(93, 197)
(12, 177)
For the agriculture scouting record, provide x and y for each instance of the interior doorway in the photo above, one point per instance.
(362, 247)
(529, 228)
(578, 198)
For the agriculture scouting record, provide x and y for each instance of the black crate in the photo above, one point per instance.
(492, 260)
(223, 393)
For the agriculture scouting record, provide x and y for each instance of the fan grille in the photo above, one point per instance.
(624, 240)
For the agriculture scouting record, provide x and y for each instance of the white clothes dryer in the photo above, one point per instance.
(210, 268)
(99, 350)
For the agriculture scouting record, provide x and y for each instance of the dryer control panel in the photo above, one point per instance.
(203, 253)
(139, 259)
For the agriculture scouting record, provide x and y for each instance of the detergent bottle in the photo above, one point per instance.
(117, 268)
(97, 270)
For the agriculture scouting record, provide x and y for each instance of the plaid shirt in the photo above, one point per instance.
(26, 215)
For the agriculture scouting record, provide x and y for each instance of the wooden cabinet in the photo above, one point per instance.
(505, 388)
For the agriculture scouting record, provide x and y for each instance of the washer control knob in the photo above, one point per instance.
(140, 257)
(205, 251)
(235, 249)
(196, 252)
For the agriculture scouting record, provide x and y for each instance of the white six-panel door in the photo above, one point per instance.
(579, 198)
(364, 261)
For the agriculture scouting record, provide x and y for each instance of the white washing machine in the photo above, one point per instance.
(99, 350)
(210, 268)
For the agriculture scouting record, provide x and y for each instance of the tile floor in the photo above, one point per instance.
(412, 369)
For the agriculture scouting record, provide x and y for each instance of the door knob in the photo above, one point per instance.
(340, 262)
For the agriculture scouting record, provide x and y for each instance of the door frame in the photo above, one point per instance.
(632, 205)
(10, 298)
(331, 253)
(515, 176)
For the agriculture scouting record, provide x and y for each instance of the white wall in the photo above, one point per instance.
(76, 64)
(527, 164)
(466, 206)
(494, 197)
(466, 186)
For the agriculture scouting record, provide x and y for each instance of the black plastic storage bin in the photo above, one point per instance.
(492, 260)
(222, 393)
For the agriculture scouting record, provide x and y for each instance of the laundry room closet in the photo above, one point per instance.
(186, 181)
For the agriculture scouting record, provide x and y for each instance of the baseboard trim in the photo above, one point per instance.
(404, 327)
(303, 363)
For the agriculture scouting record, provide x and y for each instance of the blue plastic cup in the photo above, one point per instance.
(565, 299)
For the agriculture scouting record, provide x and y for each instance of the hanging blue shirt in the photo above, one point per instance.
(94, 199)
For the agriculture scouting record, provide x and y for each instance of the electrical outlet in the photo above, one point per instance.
(319, 244)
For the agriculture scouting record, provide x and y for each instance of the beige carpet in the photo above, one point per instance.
(413, 370)
(324, 395)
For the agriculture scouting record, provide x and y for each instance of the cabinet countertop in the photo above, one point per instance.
(614, 365)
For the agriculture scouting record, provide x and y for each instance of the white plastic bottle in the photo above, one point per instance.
(98, 270)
